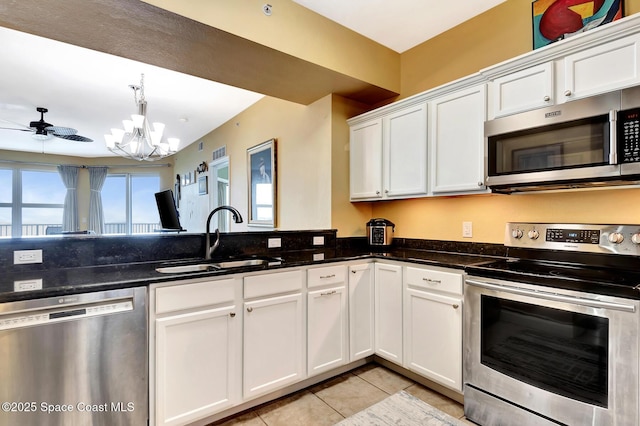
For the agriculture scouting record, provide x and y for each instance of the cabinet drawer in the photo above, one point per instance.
(317, 277)
(188, 296)
(268, 284)
(428, 279)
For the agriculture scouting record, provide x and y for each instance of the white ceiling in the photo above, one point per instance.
(89, 90)
(399, 24)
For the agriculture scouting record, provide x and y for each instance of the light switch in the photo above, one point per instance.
(274, 242)
(467, 229)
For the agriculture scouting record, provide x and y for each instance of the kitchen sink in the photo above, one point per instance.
(173, 268)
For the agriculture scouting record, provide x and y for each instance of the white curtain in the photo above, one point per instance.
(97, 176)
(69, 175)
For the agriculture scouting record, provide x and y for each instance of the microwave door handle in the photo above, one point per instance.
(613, 137)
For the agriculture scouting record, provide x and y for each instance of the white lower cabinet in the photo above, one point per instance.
(273, 332)
(388, 312)
(433, 325)
(327, 319)
(361, 306)
(197, 354)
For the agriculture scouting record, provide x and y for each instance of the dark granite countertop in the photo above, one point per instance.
(70, 280)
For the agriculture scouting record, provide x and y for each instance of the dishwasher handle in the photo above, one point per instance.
(11, 321)
(552, 296)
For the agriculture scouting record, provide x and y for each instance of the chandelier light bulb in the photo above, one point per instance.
(173, 144)
(138, 120)
(110, 141)
(128, 126)
(118, 135)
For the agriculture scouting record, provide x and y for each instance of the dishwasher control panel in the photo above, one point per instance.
(53, 315)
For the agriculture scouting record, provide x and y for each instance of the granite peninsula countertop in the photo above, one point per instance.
(83, 279)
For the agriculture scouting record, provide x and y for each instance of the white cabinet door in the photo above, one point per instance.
(273, 344)
(457, 141)
(361, 318)
(388, 312)
(365, 160)
(433, 337)
(327, 329)
(405, 152)
(197, 361)
(600, 69)
(523, 90)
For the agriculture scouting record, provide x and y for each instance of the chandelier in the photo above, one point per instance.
(138, 141)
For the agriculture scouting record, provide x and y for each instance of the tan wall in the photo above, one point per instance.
(303, 135)
(495, 36)
(348, 218)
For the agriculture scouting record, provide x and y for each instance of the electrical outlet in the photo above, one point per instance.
(21, 257)
(274, 242)
(467, 229)
(27, 285)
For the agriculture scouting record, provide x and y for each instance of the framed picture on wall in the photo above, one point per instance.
(555, 20)
(261, 171)
(202, 185)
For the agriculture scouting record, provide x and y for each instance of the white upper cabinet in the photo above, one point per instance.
(609, 66)
(388, 154)
(365, 160)
(457, 141)
(405, 152)
(522, 90)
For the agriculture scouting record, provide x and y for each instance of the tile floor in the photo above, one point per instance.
(335, 399)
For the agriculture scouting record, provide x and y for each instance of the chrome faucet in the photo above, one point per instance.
(208, 250)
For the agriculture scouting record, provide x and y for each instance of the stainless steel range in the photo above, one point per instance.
(551, 332)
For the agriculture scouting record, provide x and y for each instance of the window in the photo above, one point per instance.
(34, 205)
(6, 181)
(129, 204)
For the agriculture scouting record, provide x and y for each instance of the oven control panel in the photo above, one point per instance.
(593, 238)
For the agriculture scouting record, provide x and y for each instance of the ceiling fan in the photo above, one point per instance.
(43, 130)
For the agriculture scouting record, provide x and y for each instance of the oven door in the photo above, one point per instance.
(540, 355)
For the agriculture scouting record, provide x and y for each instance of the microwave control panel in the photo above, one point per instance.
(629, 136)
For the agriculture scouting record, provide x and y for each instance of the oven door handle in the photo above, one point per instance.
(553, 296)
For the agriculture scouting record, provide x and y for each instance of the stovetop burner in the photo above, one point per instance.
(600, 259)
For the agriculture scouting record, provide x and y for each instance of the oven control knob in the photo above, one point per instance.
(517, 233)
(533, 234)
(636, 238)
(616, 238)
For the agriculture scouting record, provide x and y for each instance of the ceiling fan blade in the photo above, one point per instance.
(61, 131)
(76, 138)
(18, 125)
(12, 128)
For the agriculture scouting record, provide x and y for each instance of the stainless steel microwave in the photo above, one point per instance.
(592, 142)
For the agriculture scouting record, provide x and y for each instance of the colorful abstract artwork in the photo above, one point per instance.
(555, 20)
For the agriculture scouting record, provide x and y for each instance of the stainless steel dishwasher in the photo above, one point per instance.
(75, 360)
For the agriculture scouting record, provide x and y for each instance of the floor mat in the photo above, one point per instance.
(403, 409)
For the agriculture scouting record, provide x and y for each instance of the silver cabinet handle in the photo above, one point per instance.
(567, 92)
(232, 314)
(547, 98)
(377, 192)
(386, 191)
(455, 306)
(429, 280)
(328, 293)
(480, 183)
(249, 309)
(324, 277)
